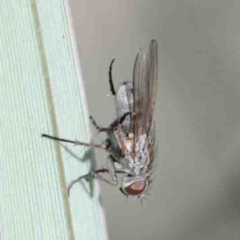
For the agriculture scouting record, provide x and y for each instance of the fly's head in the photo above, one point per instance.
(139, 177)
(134, 186)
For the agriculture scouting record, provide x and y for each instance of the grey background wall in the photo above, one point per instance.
(196, 193)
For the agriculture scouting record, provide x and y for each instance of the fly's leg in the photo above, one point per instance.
(112, 170)
(91, 145)
(119, 121)
(100, 129)
(95, 174)
(112, 126)
(110, 78)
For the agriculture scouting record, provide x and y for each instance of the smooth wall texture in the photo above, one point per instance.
(196, 193)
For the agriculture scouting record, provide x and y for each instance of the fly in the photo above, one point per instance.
(130, 141)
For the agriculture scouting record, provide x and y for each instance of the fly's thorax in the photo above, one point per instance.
(142, 143)
(129, 142)
(124, 140)
(142, 156)
(133, 156)
(138, 164)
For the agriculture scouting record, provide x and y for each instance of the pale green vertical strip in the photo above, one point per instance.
(41, 91)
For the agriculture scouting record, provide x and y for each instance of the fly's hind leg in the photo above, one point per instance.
(110, 78)
(119, 121)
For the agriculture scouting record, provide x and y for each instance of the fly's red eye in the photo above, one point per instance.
(136, 188)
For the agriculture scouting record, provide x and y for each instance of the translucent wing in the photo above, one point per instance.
(152, 80)
(139, 105)
(145, 74)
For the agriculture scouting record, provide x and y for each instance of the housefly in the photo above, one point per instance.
(130, 141)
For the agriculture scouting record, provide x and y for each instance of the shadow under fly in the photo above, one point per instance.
(88, 154)
(130, 141)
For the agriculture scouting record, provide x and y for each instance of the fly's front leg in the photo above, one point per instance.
(111, 170)
(97, 174)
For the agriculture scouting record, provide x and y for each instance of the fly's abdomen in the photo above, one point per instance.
(124, 104)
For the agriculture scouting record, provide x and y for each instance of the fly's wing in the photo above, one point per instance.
(145, 75)
(152, 80)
